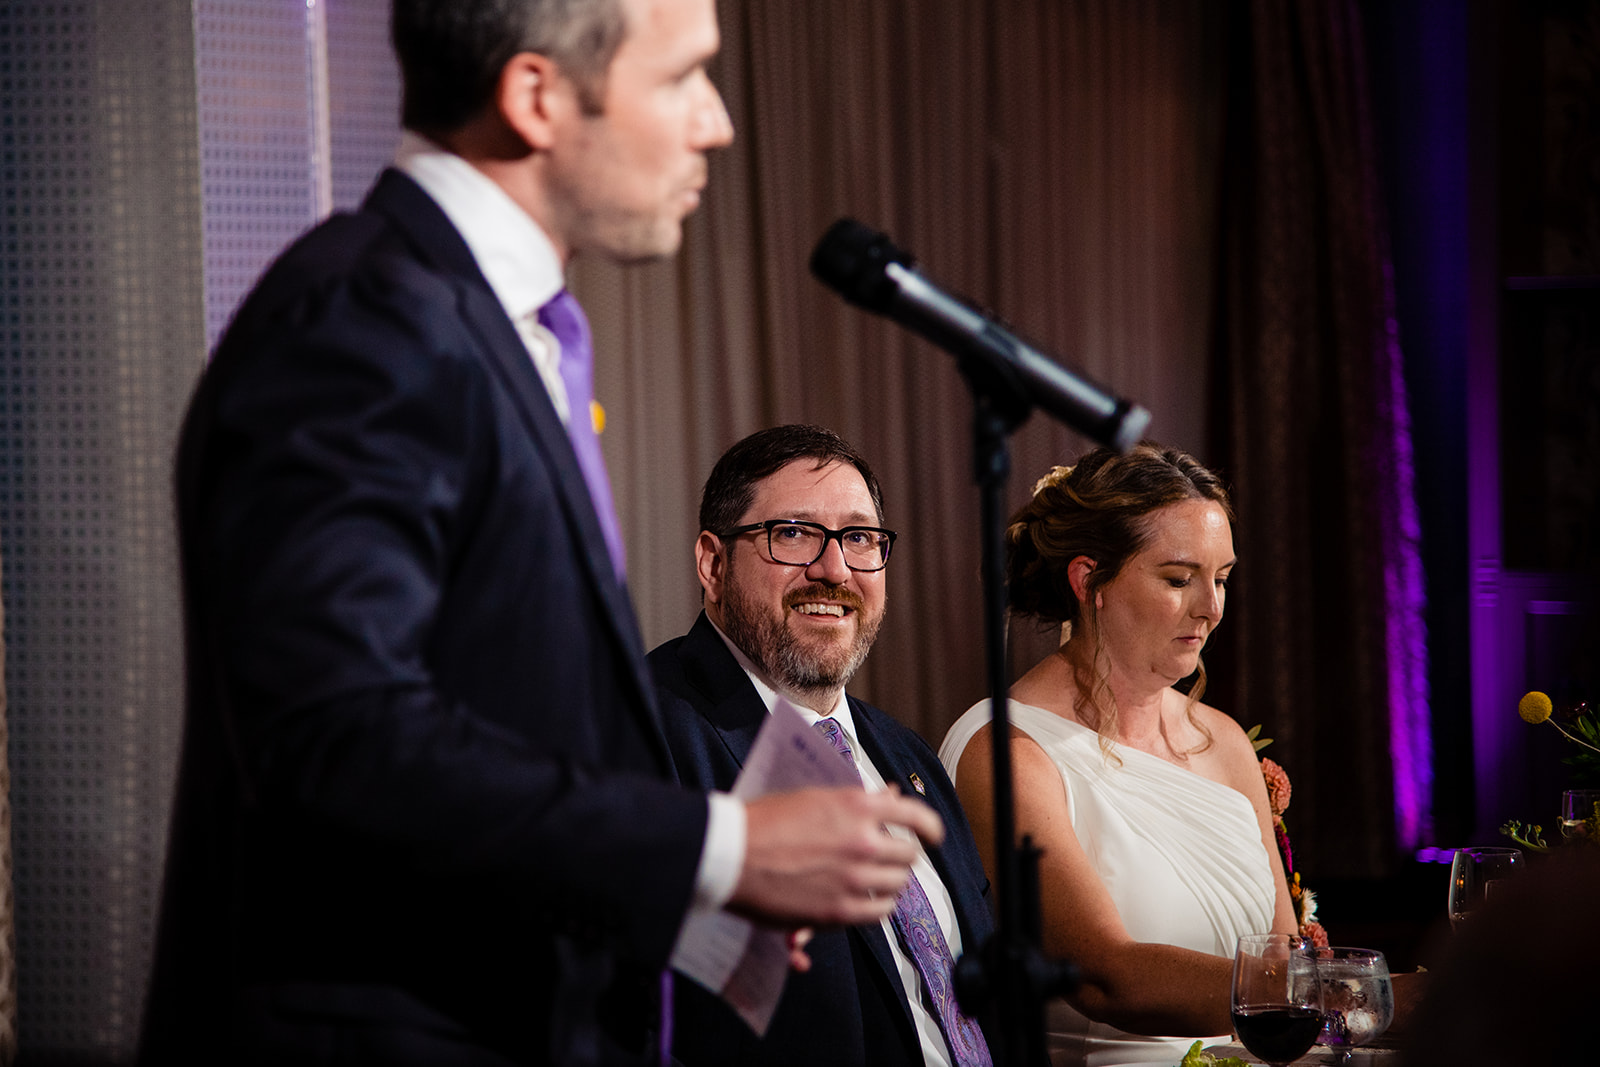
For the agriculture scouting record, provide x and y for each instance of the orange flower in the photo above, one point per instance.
(1277, 786)
(1317, 935)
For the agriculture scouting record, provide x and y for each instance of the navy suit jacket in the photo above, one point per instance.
(850, 1008)
(424, 810)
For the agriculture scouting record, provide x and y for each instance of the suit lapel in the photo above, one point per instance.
(514, 368)
(732, 705)
(435, 240)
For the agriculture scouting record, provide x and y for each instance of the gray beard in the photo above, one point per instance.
(774, 647)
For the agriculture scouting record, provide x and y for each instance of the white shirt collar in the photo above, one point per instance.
(515, 255)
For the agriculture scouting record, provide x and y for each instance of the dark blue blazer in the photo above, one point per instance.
(424, 811)
(850, 1008)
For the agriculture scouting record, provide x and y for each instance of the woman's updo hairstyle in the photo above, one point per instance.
(1101, 509)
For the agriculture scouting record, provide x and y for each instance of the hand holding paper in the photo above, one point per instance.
(816, 853)
(822, 856)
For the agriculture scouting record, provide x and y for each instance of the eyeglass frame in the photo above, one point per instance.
(827, 535)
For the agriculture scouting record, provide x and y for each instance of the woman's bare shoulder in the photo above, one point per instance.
(1225, 729)
(1231, 747)
(1026, 752)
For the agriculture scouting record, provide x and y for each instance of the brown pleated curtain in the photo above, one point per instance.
(1060, 163)
(1325, 641)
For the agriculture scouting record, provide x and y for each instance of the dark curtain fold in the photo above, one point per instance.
(1326, 648)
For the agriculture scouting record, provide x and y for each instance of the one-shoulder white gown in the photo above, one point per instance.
(1181, 855)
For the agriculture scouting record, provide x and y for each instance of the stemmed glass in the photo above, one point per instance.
(1276, 999)
(1473, 874)
(1357, 997)
(1578, 812)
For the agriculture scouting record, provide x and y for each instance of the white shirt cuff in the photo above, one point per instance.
(722, 857)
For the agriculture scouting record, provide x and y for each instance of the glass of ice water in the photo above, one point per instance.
(1579, 809)
(1357, 997)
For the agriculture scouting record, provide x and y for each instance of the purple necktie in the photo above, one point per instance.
(922, 939)
(564, 318)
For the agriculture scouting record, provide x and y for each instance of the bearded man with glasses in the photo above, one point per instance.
(792, 558)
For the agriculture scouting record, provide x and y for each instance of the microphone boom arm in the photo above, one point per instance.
(868, 270)
(1034, 377)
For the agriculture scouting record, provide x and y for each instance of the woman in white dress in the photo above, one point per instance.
(1149, 806)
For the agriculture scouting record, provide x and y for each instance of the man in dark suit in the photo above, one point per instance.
(791, 558)
(423, 812)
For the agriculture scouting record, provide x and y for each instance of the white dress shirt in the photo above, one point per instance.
(524, 271)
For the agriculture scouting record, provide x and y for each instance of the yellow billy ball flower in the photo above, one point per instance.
(1534, 707)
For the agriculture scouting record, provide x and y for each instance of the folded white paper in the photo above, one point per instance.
(744, 963)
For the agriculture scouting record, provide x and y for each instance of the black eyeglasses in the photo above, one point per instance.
(796, 543)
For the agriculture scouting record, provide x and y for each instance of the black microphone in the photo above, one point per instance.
(866, 268)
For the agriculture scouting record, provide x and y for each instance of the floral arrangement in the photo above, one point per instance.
(1577, 723)
(1278, 793)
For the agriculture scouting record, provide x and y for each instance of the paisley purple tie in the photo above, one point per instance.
(924, 942)
(564, 318)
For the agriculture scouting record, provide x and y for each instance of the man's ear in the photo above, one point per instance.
(532, 97)
(1078, 572)
(710, 565)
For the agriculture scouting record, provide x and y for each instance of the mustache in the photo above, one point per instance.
(825, 591)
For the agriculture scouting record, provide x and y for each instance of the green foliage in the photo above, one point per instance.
(1585, 762)
(1530, 837)
(1579, 724)
(1253, 733)
(1198, 1057)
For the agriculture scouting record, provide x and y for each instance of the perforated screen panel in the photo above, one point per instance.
(364, 97)
(156, 157)
(102, 341)
(256, 141)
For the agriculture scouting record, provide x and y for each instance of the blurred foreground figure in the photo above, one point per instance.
(424, 813)
(1519, 982)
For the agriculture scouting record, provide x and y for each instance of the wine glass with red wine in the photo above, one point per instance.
(1277, 1000)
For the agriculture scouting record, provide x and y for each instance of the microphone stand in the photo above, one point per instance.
(1010, 969)
(1008, 379)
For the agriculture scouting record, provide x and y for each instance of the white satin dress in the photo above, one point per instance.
(1180, 854)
